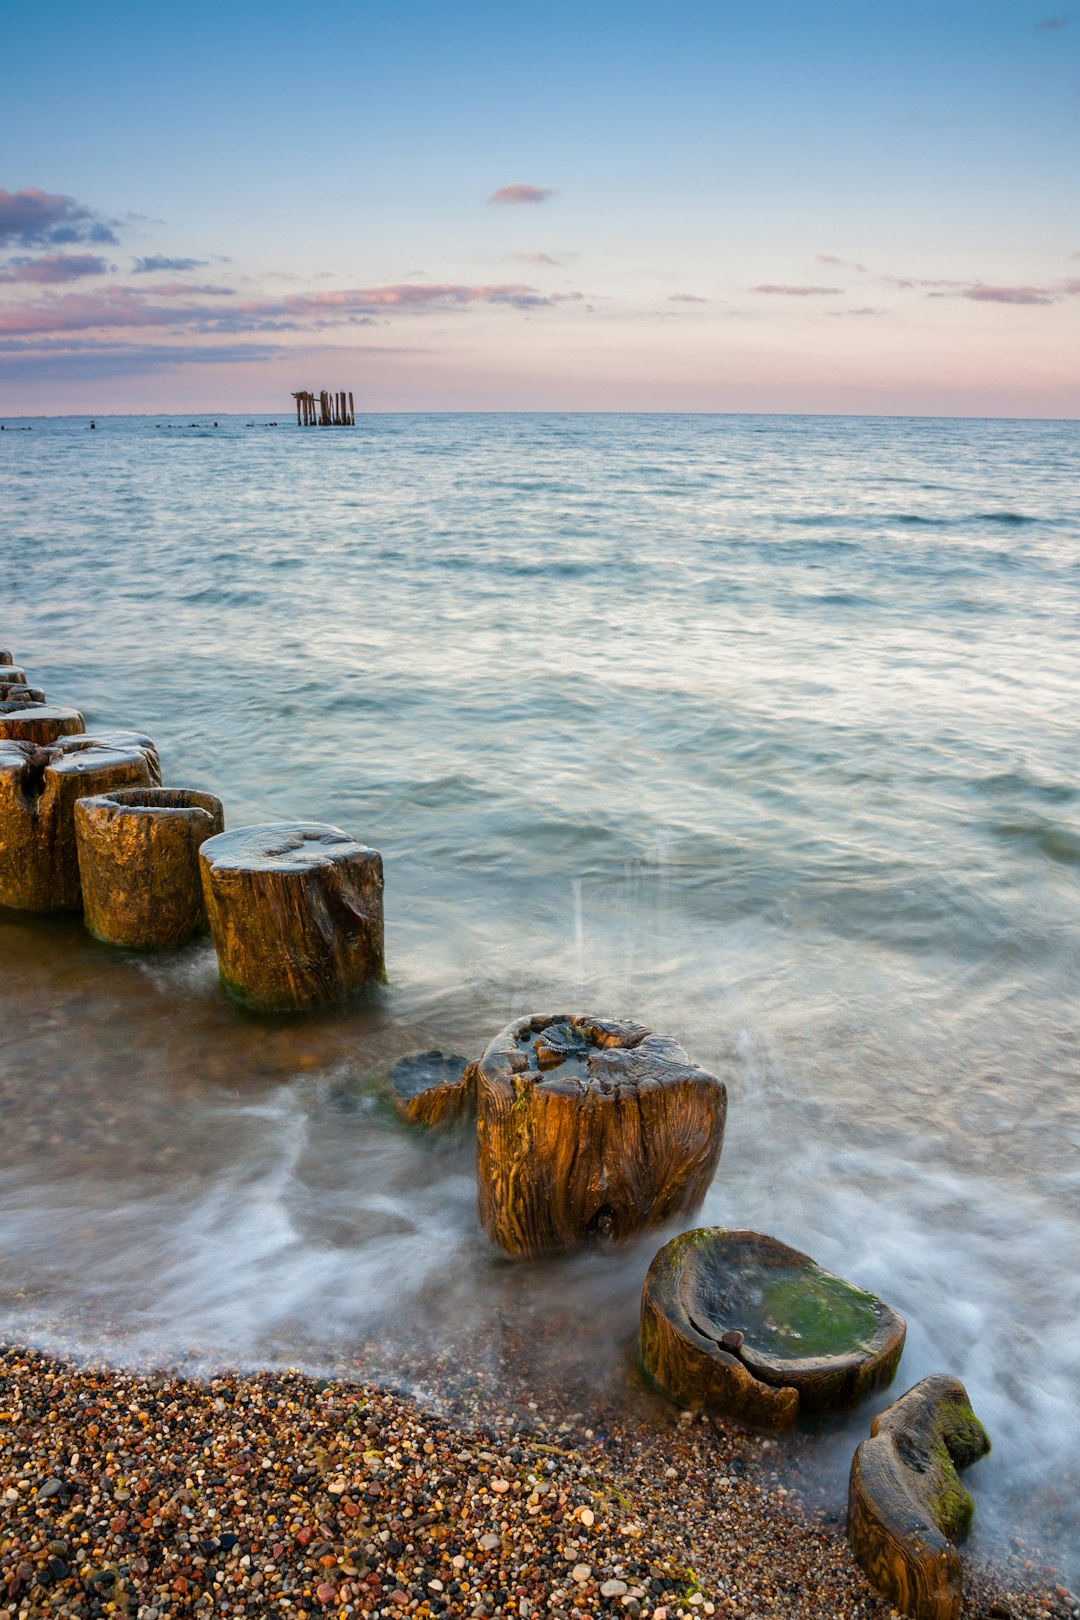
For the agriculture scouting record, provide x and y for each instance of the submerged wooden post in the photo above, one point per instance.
(139, 863)
(590, 1128)
(39, 787)
(295, 912)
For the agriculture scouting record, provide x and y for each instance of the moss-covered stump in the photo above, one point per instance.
(430, 1088)
(737, 1322)
(19, 692)
(906, 1506)
(295, 912)
(589, 1128)
(39, 788)
(139, 863)
(38, 723)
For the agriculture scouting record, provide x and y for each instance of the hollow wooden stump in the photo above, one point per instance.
(38, 723)
(737, 1322)
(589, 1128)
(39, 787)
(295, 911)
(430, 1088)
(906, 1505)
(139, 863)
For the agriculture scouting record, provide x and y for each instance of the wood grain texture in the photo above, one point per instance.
(39, 788)
(588, 1128)
(138, 852)
(430, 1088)
(907, 1508)
(295, 912)
(703, 1340)
(19, 692)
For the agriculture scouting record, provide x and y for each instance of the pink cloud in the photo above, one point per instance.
(520, 193)
(534, 258)
(1004, 295)
(831, 258)
(54, 267)
(796, 292)
(116, 308)
(686, 298)
(867, 309)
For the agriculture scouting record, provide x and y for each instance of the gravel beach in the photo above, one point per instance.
(287, 1496)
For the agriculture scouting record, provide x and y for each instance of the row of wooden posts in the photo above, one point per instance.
(295, 911)
(324, 410)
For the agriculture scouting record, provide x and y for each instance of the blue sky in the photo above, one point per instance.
(726, 204)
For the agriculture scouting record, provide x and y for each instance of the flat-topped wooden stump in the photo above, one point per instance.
(12, 674)
(5, 656)
(906, 1506)
(38, 723)
(295, 912)
(39, 787)
(590, 1128)
(19, 692)
(139, 863)
(429, 1088)
(738, 1322)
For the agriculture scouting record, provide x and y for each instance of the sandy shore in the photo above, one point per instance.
(284, 1496)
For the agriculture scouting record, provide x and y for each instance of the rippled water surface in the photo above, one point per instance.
(762, 731)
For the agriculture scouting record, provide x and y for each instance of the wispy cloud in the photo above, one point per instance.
(980, 294)
(544, 258)
(157, 262)
(521, 193)
(796, 292)
(686, 298)
(848, 264)
(175, 305)
(1050, 25)
(54, 267)
(31, 218)
(867, 309)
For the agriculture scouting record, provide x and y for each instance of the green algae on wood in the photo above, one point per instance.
(737, 1321)
(590, 1128)
(39, 788)
(907, 1507)
(139, 863)
(295, 912)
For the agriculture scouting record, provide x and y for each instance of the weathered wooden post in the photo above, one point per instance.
(39, 787)
(590, 1128)
(906, 1506)
(295, 912)
(138, 854)
(352, 410)
(38, 723)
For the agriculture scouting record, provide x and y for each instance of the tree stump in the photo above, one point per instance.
(39, 787)
(139, 863)
(11, 674)
(5, 656)
(737, 1322)
(589, 1128)
(295, 912)
(906, 1505)
(430, 1088)
(38, 723)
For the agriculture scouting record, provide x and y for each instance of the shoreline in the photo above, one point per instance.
(282, 1495)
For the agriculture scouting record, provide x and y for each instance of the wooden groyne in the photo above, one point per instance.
(324, 410)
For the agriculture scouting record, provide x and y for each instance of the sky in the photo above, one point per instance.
(862, 207)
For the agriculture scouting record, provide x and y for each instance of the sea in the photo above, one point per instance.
(762, 731)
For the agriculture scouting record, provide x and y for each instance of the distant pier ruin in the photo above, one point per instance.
(324, 410)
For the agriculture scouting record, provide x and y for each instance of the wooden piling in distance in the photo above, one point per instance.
(325, 410)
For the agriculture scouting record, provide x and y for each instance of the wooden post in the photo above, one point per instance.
(38, 723)
(352, 411)
(295, 912)
(139, 863)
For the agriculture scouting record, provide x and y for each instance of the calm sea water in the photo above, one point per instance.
(762, 731)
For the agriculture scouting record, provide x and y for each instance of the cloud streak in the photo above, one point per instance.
(545, 258)
(54, 267)
(157, 263)
(521, 193)
(787, 291)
